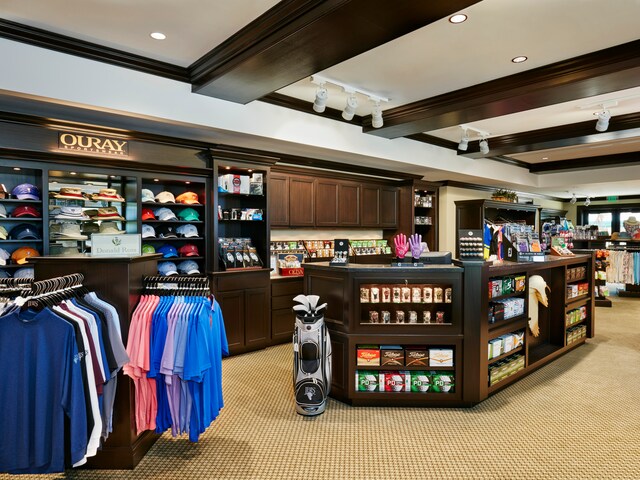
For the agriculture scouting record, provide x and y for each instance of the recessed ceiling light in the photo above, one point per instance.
(156, 179)
(228, 168)
(17, 169)
(158, 35)
(457, 18)
(519, 59)
(187, 182)
(73, 173)
(545, 158)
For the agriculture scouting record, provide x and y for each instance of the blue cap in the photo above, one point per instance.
(4, 274)
(24, 231)
(24, 272)
(26, 191)
(188, 231)
(167, 251)
(167, 268)
(188, 267)
(164, 214)
(148, 231)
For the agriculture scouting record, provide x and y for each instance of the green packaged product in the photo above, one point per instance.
(420, 381)
(442, 382)
(367, 381)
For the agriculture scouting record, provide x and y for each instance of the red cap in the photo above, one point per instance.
(147, 214)
(25, 211)
(189, 250)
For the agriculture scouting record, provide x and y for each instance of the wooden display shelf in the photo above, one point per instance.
(541, 352)
(170, 204)
(576, 302)
(603, 302)
(507, 295)
(579, 279)
(231, 194)
(16, 200)
(26, 240)
(399, 368)
(507, 326)
(505, 355)
(173, 222)
(21, 219)
(179, 239)
(575, 323)
(507, 380)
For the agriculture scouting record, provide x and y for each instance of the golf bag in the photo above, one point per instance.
(311, 357)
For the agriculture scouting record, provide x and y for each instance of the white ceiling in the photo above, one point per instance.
(436, 59)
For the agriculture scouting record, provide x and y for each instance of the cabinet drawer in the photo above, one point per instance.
(241, 280)
(286, 287)
(283, 301)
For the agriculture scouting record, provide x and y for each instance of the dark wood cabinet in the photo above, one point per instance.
(278, 200)
(348, 204)
(418, 211)
(256, 317)
(370, 205)
(301, 201)
(232, 305)
(327, 203)
(389, 197)
(283, 318)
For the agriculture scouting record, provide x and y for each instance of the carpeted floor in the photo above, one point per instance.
(577, 418)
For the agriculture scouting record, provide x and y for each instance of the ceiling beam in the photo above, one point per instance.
(620, 126)
(297, 38)
(589, 163)
(597, 73)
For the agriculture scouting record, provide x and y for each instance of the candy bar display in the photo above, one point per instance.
(575, 334)
(577, 290)
(505, 344)
(370, 247)
(505, 309)
(505, 368)
(575, 316)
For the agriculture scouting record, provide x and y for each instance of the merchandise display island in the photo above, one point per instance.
(449, 335)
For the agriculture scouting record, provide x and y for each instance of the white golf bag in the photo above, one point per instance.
(311, 356)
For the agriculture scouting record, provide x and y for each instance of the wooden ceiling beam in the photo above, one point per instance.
(596, 73)
(297, 38)
(589, 163)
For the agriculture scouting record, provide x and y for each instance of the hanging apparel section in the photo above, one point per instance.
(176, 344)
(10, 288)
(624, 266)
(64, 345)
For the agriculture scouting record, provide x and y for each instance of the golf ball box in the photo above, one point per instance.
(410, 304)
(505, 368)
(405, 356)
(419, 381)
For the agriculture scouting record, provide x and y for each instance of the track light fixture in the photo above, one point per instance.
(351, 106)
(464, 141)
(603, 120)
(484, 146)
(587, 202)
(320, 103)
(573, 199)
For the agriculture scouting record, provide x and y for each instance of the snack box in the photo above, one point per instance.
(391, 355)
(441, 357)
(368, 355)
(507, 285)
(420, 381)
(416, 357)
(367, 381)
(520, 282)
(442, 382)
(496, 347)
(395, 381)
(495, 288)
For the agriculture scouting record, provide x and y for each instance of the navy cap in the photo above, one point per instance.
(26, 191)
(167, 251)
(24, 231)
(24, 272)
(166, 231)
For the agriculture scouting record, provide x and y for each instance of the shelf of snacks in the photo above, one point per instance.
(505, 369)
(600, 281)
(575, 316)
(576, 334)
(370, 247)
(504, 345)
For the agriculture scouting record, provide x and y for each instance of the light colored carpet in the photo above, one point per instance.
(577, 418)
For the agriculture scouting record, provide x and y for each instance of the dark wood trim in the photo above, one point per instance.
(223, 152)
(301, 171)
(589, 163)
(620, 126)
(612, 69)
(297, 38)
(510, 161)
(487, 188)
(72, 46)
(430, 139)
(75, 160)
(620, 197)
(307, 107)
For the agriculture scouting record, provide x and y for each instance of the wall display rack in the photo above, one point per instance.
(418, 211)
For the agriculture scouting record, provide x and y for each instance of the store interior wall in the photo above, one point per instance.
(324, 234)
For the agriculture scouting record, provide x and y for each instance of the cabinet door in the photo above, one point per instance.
(278, 191)
(348, 204)
(301, 201)
(257, 319)
(283, 322)
(232, 305)
(326, 203)
(389, 207)
(370, 206)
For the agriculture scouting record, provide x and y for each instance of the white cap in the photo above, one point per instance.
(165, 197)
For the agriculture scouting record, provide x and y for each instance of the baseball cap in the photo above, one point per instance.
(25, 211)
(148, 231)
(69, 213)
(26, 191)
(3, 233)
(60, 251)
(165, 214)
(108, 195)
(147, 214)
(189, 215)
(165, 197)
(108, 213)
(66, 230)
(167, 268)
(189, 250)
(4, 256)
(189, 198)
(110, 227)
(24, 272)
(188, 267)
(24, 231)
(4, 274)
(71, 193)
(90, 227)
(166, 231)
(167, 251)
(22, 254)
(146, 248)
(3, 211)
(187, 231)
(147, 195)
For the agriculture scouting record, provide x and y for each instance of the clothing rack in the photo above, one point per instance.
(630, 289)
(176, 285)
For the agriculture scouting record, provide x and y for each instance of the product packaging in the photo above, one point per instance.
(368, 355)
(420, 381)
(441, 357)
(367, 381)
(416, 357)
(442, 382)
(396, 381)
(391, 355)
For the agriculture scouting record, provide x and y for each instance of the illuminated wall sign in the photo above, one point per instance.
(85, 143)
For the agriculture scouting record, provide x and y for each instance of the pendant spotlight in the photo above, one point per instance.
(573, 199)
(464, 141)
(587, 202)
(320, 103)
(484, 146)
(351, 106)
(603, 120)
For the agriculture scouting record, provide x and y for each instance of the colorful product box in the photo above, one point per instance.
(391, 355)
(420, 381)
(507, 285)
(442, 382)
(396, 381)
(367, 381)
(520, 282)
(441, 357)
(368, 355)
(416, 357)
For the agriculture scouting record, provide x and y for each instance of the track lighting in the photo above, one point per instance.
(603, 120)
(350, 108)
(320, 103)
(587, 202)
(484, 146)
(573, 199)
(464, 141)
(376, 116)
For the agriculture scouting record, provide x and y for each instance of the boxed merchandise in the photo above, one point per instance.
(496, 312)
(406, 295)
(231, 183)
(395, 381)
(427, 295)
(256, 184)
(495, 288)
(416, 357)
(386, 294)
(507, 285)
(367, 381)
(396, 295)
(508, 344)
(391, 355)
(441, 357)
(368, 355)
(520, 282)
(375, 295)
(416, 294)
(442, 382)
(518, 339)
(420, 381)
(364, 295)
(496, 347)
(438, 295)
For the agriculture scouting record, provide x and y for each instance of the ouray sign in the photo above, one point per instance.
(93, 144)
